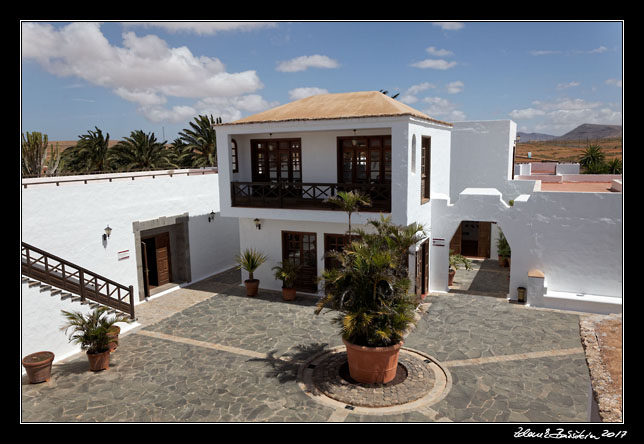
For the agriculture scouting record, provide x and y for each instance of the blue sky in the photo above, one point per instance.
(549, 77)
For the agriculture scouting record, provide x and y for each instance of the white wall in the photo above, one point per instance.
(68, 221)
(574, 238)
(269, 241)
(482, 158)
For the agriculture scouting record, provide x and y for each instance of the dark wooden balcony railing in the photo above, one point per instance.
(57, 272)
(312, 196)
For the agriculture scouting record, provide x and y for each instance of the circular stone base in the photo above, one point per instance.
(420, 381)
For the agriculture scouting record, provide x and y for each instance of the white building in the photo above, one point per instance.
(276, 169)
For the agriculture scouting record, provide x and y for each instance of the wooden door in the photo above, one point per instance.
(162, 244)
(422, 269)
(301, 249)
(455, 243)
(485, 234)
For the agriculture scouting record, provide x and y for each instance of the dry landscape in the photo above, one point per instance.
(565, 150)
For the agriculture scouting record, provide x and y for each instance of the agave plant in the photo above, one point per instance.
(370, 288)
(90, 330)
(250, 260)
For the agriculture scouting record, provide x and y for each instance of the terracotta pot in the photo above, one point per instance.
(113, 334)
(501, 261)
(38, 366)
(372, 365)
(99, 361)
(288, 294)
(450, 278)
(252, 287)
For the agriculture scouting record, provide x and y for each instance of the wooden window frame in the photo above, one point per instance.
(264, 162)
(425, 168)
(234, 155)
(382, 149)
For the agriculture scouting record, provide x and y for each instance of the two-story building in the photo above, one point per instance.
(282, 165)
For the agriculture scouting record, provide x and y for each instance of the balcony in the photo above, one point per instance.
(306, 196)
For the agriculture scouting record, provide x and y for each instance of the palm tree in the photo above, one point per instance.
(350, 202)
(141, 151)
(592, 158)
(89, 153)
(370, 289)
(201, 141)
(614, 166)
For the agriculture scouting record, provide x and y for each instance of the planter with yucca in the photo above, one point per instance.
(371, 292)
(92, 332)
(250, 260)
(286, 272)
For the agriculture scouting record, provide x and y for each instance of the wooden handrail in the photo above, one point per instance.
(299, 195)
(76, 279)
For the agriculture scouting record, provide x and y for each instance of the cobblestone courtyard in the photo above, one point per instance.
(224, 357)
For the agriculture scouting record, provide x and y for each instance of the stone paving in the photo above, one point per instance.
(224, 357)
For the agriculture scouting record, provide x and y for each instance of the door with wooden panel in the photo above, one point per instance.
(485, 235)
(162, 242)
(301, 249)
(455, 243)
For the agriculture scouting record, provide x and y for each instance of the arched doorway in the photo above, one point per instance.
(478, 241)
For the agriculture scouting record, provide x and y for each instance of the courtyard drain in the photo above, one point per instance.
(420, 382)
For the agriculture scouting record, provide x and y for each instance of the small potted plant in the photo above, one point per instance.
(91, 332)
(370, 290)
(286, 271)
(38, 366)
(454, 261)
(250, 260)
(503, 250)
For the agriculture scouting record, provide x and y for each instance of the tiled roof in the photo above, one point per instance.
(337, 106)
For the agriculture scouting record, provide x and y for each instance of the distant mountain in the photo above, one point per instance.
(534, 137)
(586, 131)
(591, 131)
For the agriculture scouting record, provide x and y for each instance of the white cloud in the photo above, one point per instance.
(304, 62)
(415, 89)
(614, 82)
(432, 50)
(542, 52)
(455, 87)
(449, 26)
(203, 28)
(567, 85)
(562, 115)
(301, 93)
(434, 64)
(441, 108)
(527, 113)
(145, 70)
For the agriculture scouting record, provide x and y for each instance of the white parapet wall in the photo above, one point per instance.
(575, 239)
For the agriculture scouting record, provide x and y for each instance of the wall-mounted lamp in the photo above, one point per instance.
(258, 224)
(211, 217)
(354, 141)
(108, 231)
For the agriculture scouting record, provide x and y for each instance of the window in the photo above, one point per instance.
(233, 155)
(413, 154)
(276, 160)
(425, 167)
(364, 159)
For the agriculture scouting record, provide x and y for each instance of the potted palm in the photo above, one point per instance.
(455, 260)
(92, 332)
(503, 250)
(286, 271)
(370, 291)
(250, 260)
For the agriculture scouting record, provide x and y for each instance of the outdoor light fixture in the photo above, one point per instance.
(211, 217)
(108, 231)
(354, 141)
(258, 224)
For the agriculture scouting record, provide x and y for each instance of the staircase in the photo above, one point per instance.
(70, 281)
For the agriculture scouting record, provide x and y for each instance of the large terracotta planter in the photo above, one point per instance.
(288, 294)
(38, 366)
(99, 361)
(450, 277)
(113, 334)
(372, 365)
(252, 287)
